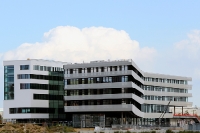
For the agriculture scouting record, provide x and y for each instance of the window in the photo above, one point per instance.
(39, 86)
(49, 68)
(88, 70)
(8, 82)
(120, 68)
(23, 76)
(25, 86)
(105, 69)
(41, 68)
(98, 80)
(83, 81)
(31, 110)
(35, 67)
(24, 67)
(92, 70)
(110, 80)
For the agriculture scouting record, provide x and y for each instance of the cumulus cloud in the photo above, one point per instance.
(190, 47)
(71, 44)
(188, 51)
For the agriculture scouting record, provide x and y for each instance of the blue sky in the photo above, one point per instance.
(149, 22)
(161, 25)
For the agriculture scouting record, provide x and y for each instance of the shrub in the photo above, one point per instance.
(128, 132)
(169, 131)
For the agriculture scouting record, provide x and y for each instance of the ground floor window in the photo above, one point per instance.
(88, 120)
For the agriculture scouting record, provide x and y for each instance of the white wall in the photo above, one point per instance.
(24, 97)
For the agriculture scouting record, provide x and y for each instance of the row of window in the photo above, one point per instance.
(122, 68)
(172, 81)
(96, 80)
(101, 102)
(102, 91)
(96, 69)
(41, 68)
(47, 68)
(165, 98)
(91, 92)
(31, 110)
(154, 108)
(40, 86)
(103, 69)
(47, 97)
(43, 77)
(164, 89)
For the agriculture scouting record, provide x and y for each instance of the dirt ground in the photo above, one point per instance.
(83, 129)
(33, 128)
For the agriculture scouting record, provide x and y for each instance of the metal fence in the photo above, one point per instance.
(194, 127)
(138, 127)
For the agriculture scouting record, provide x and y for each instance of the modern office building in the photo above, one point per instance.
(97, 93)
(33, 90)
(118, 92)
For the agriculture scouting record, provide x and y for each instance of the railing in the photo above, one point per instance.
(188, 115)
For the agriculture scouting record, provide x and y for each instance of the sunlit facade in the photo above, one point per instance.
(117, 92)
(102, 93)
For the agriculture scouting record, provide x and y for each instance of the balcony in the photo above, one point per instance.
(104, 85)
(105, 96)
(105, 108)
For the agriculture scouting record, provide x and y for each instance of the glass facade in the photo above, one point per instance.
(57, 103)
(88, 120)
(8, 82)
(107, 120)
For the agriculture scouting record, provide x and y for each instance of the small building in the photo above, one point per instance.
(185, 115)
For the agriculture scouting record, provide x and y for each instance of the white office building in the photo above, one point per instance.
(88, 94)
(118, 92)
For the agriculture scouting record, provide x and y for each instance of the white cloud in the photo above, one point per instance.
(188, 51)
(190, 47)
(71, 44)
